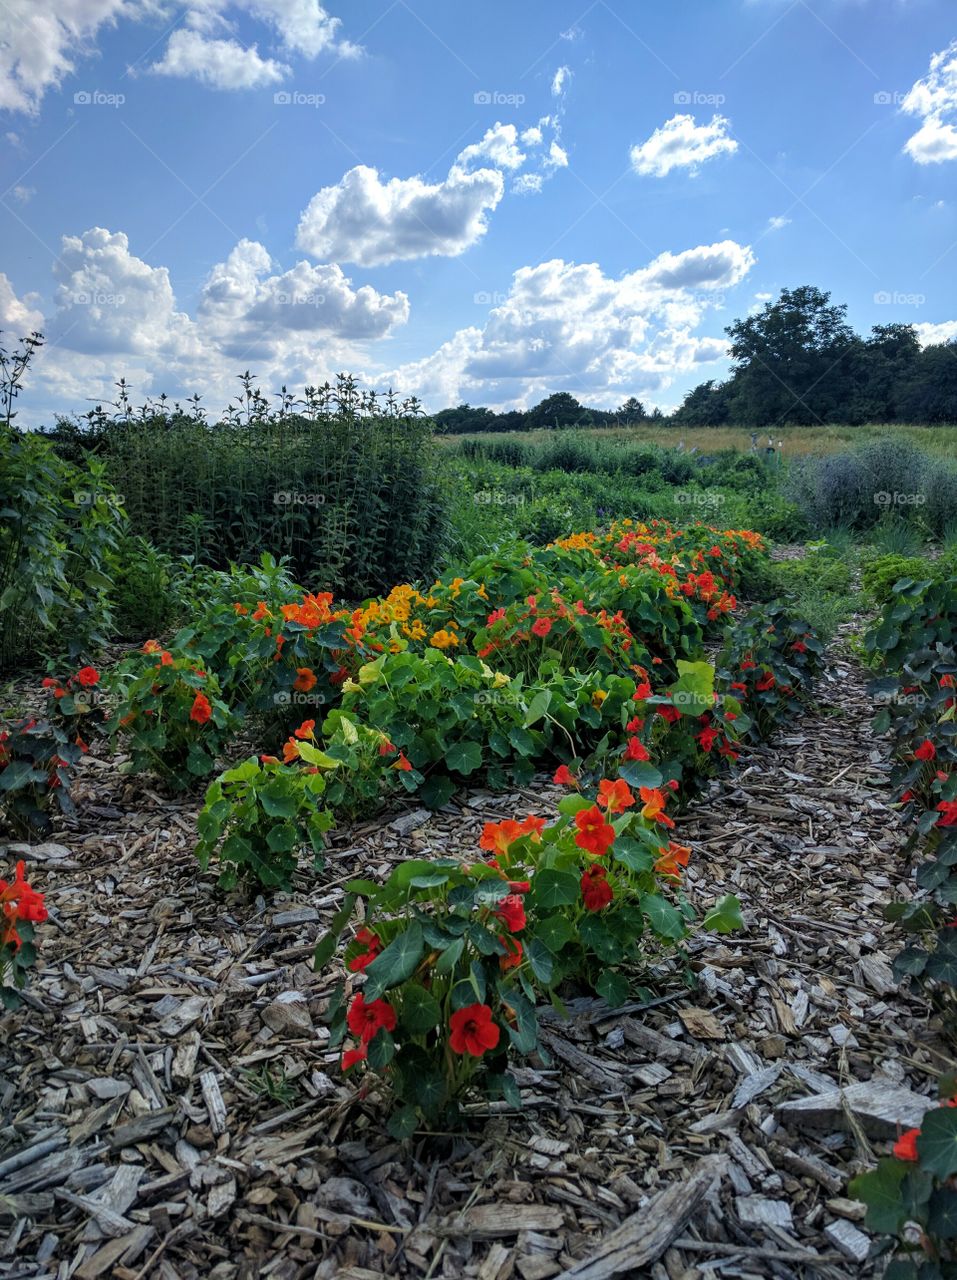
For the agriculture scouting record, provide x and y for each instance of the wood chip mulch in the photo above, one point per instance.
(708, 1132)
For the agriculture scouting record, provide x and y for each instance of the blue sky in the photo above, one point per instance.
(484, 202)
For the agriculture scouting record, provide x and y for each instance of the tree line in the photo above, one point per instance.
(796, 362)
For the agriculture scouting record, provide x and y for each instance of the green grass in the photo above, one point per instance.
(796, 440)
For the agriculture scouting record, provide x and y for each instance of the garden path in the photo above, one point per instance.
(137, 1073)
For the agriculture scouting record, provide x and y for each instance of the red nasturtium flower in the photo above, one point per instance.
(948, 813)
(352, 1056)
(595, 835)
(88, 676)
(305, 679)
(511, 912)
(642, 692)
(905, 1148)
(541, 627)
(615, 796)
(513, 952)
(366, 1020)
(766, 682)
(18, 902)
(386, 748)
(402, 764)
(201, 709)
(596, 891)
(706, 737)
(563, 778)
(472, 1030)
(373, 944)
(926, 750)
(636, 750)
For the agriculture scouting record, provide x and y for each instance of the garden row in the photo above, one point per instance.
(589, 657)
(912, 1195)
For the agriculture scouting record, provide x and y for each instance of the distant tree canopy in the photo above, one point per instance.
(796, 362)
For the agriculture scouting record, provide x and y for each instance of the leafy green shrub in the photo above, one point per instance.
(143, 594)
(60, 526)
(341, 481)
(456, 954)
(259, 814)
(169, 715)
(879, 576)
(940, 491)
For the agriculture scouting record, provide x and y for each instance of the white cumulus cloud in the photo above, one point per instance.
(680, 143)
(568, 326)
(372, 221)
(219, 64)
(934, 100)
(43, 41)
(932, 334)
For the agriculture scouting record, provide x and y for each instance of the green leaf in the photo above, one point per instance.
(880, 1190)
(937, 1144)
(403, 1123)
(555, 932)
(665, 920)
(631, 854)
(639, 773)
(326, 946)
(420, 1010)
(725, 915)
(613, 987)
(450, 956)
(942, 1214)
(464, 757)
(537, 707)
(555, 889)
(381, 1049)
(437, 790)
(540, 959)
(396, 963)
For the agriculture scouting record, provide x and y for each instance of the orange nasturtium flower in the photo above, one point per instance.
(654, 806)
(615, 796)
(305, 679)
(306, 729)
(672, 858)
